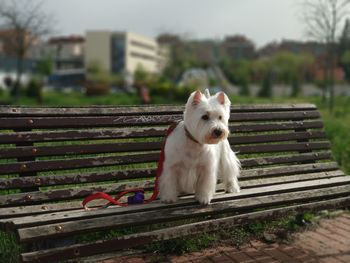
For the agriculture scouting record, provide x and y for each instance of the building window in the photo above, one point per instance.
(142, 56)
(77, 50)
(118, 54)
(142, 45)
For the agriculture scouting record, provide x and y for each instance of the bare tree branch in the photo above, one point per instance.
(26, 23)
(323, 20)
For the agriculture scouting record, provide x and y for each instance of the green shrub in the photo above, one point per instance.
(98, 84)
(34, 88)
(338, 131)
(266, 87)
(161, 88)
(95, 89)
(182, 93)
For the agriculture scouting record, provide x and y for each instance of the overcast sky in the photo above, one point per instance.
(261, 20)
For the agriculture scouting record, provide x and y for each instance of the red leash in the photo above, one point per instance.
(138, 196)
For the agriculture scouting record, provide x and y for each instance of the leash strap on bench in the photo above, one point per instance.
(138, 197)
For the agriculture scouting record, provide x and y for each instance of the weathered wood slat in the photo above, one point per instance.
(100, 247)
(69, 193)
(275, 126)
(287, 170)
(101, 161)
(76, 205)
(115, 121)
(77, 163)
(78, 178)
(64, 179)
(287, 147)
(94, 224)
(259, 182)
(125, 110)
(139, 132)
(88, 122)
(19, 211)
(56, 217)
(265, 138)
(76, 149)
(71, 135)
(152, 157)
(283, 159)
(33, 209)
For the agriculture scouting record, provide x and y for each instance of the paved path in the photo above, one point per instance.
(328, 243)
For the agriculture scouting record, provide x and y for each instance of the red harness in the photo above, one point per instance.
(138, 192)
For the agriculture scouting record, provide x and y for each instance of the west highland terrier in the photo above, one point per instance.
(197, 152)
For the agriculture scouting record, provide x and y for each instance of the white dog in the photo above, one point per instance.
(197, 152)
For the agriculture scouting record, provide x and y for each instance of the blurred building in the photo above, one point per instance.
(238, 47)
(296, 47)
(66, 52)
(10, 41)
(124, 52)
(9, 55)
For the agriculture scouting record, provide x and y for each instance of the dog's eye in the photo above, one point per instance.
(205, 117)
(220, 117)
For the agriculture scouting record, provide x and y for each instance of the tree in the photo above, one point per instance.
(291, 69)
(345, 60)
(26, 23)
(344, 49)
(323, 19)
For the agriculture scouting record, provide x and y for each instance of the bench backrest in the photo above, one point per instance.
(57, 154)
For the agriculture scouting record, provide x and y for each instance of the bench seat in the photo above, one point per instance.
(51, 158)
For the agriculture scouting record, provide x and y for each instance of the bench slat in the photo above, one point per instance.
(105, 246)
(282, 137)
(64, 179)
(270, 160)
(77, 163)
(114, 221)
(74, 192)
(139, 132)
(125, 110)
(73, 205)
(76, 149)
(115, 121)
(50, 218)
(287, 170)
(146, 158)
(117, 160)
(287, 147)
(69, 193)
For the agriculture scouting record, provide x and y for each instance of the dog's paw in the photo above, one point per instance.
(168, 200)
(230, 188)
(203, 199)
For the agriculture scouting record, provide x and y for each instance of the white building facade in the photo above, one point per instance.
(124, 52)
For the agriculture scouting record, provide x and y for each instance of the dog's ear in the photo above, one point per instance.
(197, 98)
(221, 98)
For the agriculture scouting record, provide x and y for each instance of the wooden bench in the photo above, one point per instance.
(51, 158)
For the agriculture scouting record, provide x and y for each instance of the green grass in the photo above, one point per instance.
(9, 250)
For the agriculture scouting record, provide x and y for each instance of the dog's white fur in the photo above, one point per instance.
(195, 167)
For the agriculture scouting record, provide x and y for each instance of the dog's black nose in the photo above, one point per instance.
(217, 133)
